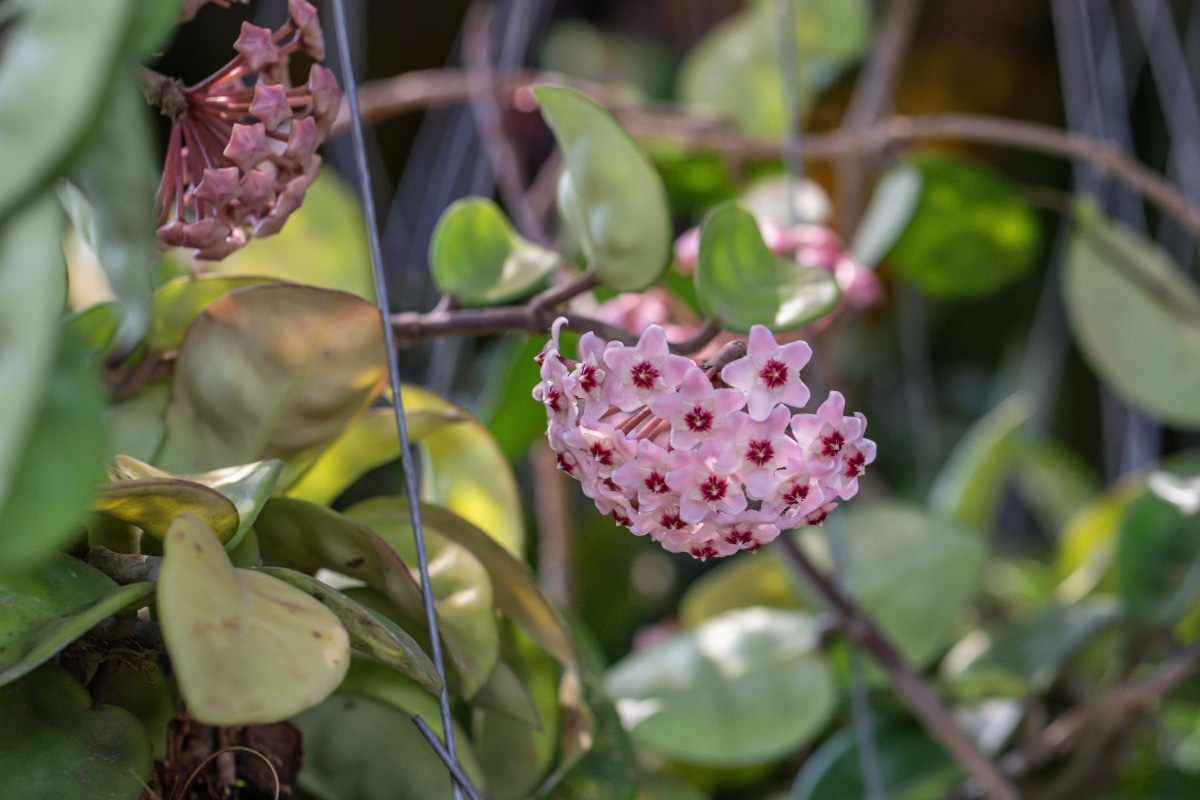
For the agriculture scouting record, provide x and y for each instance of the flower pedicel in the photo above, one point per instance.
(707, 459)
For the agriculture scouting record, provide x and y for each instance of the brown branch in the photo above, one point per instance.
(412, 91)
(906, 683)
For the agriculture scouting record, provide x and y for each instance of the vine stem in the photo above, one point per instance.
(916, 695)
(423, 89)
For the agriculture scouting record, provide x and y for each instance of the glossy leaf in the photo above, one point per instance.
(324, 244)
(359, 748)
(968, 488)
(1158, 550)
(892, 206)
(307, 537)
(59, 464)
(381, 639)
(152, 504)
(152, 25)
(971, 233)
(247, 486)
(779, 198)
(110, 196)
(909, 763)
(95, 326)
(610, 194)
(1028, 654)
(271, 371)
(1087, 544)
(33, 285)
(55, 743)
(245, 648)
(56, 64)
(369, 441)
(733, 72)
(476, 256)
(1135, 317)
(742, 283)
(48, 608)
(462, 589)
(744, 688)
(178, 302)
(136, 425)
(464, 470)
(913, 572)
(741, 583)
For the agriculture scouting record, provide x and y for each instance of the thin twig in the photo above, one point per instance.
(860, 629)
(414, 91)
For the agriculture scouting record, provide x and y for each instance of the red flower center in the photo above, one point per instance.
(774, 373)
(795, 494)
(644, 375)
(671, 521)
(707, 551)
(587, 378)
(759, 452)
(831, 445)
(698, 420)
(601, 454)
(739, 536)
(713, 488)
(656, 483)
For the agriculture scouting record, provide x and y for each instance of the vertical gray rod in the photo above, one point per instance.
(389, 342)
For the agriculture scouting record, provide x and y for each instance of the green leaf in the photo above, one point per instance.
(912, 572)
(55, 743)
(110, 197)
(307, 537)
(46, 610)
(57, 61)
(512, 416)
(733, 72)
(1135, 317)
(33, 288)
(1054, 482)
(462, 589)
(464, 470)
(1027, 655)
(59, 464)
(1087, 544)
(741, 689)
(273, 371)
(661, 786)
(909, 761)
(636, 65)
(609, 769)
(968, 487)
(1158, 550)
(247, 486)
(136, 425)
(971, 233)
(742, 283)
(95, 326)
(373, 636)
(152, 504)
(892, 206)
(369, 441)
(153, 23)
(741, 583)
(777, 197)
(178, 303)
(324, 244)
(245, 648)
(610, 194)
(477, 257)
(361, 749)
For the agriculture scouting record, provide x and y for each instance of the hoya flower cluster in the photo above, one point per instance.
(242, 152)
(706, 459)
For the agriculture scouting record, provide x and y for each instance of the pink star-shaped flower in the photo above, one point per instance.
(697, 411)
(769, 374)
(642, 372)
(704, 489)
(755, 450)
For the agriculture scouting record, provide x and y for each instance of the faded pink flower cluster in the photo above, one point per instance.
(242, 153)
(706, 459)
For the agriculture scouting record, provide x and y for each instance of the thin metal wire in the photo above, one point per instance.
(455, 770)
(449, 754)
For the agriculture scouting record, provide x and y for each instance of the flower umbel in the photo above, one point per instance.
(706, 460)
(242, 148)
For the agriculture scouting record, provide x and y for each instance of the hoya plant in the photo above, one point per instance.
(631, 534)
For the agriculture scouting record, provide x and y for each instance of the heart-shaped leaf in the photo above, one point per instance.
(742, 283)
(610, 194)
(48, 494)
(462, 590)
(52, 607)
(464, 470)
(55, 743)
(971, 233)
(178, 303)
(247, 486)
(152, 504)
(1135, 316)
(369, 441)
(744, 688)
(245, 648)
(58, 58)
(377, 637)
(477, 257)
(272, 371)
